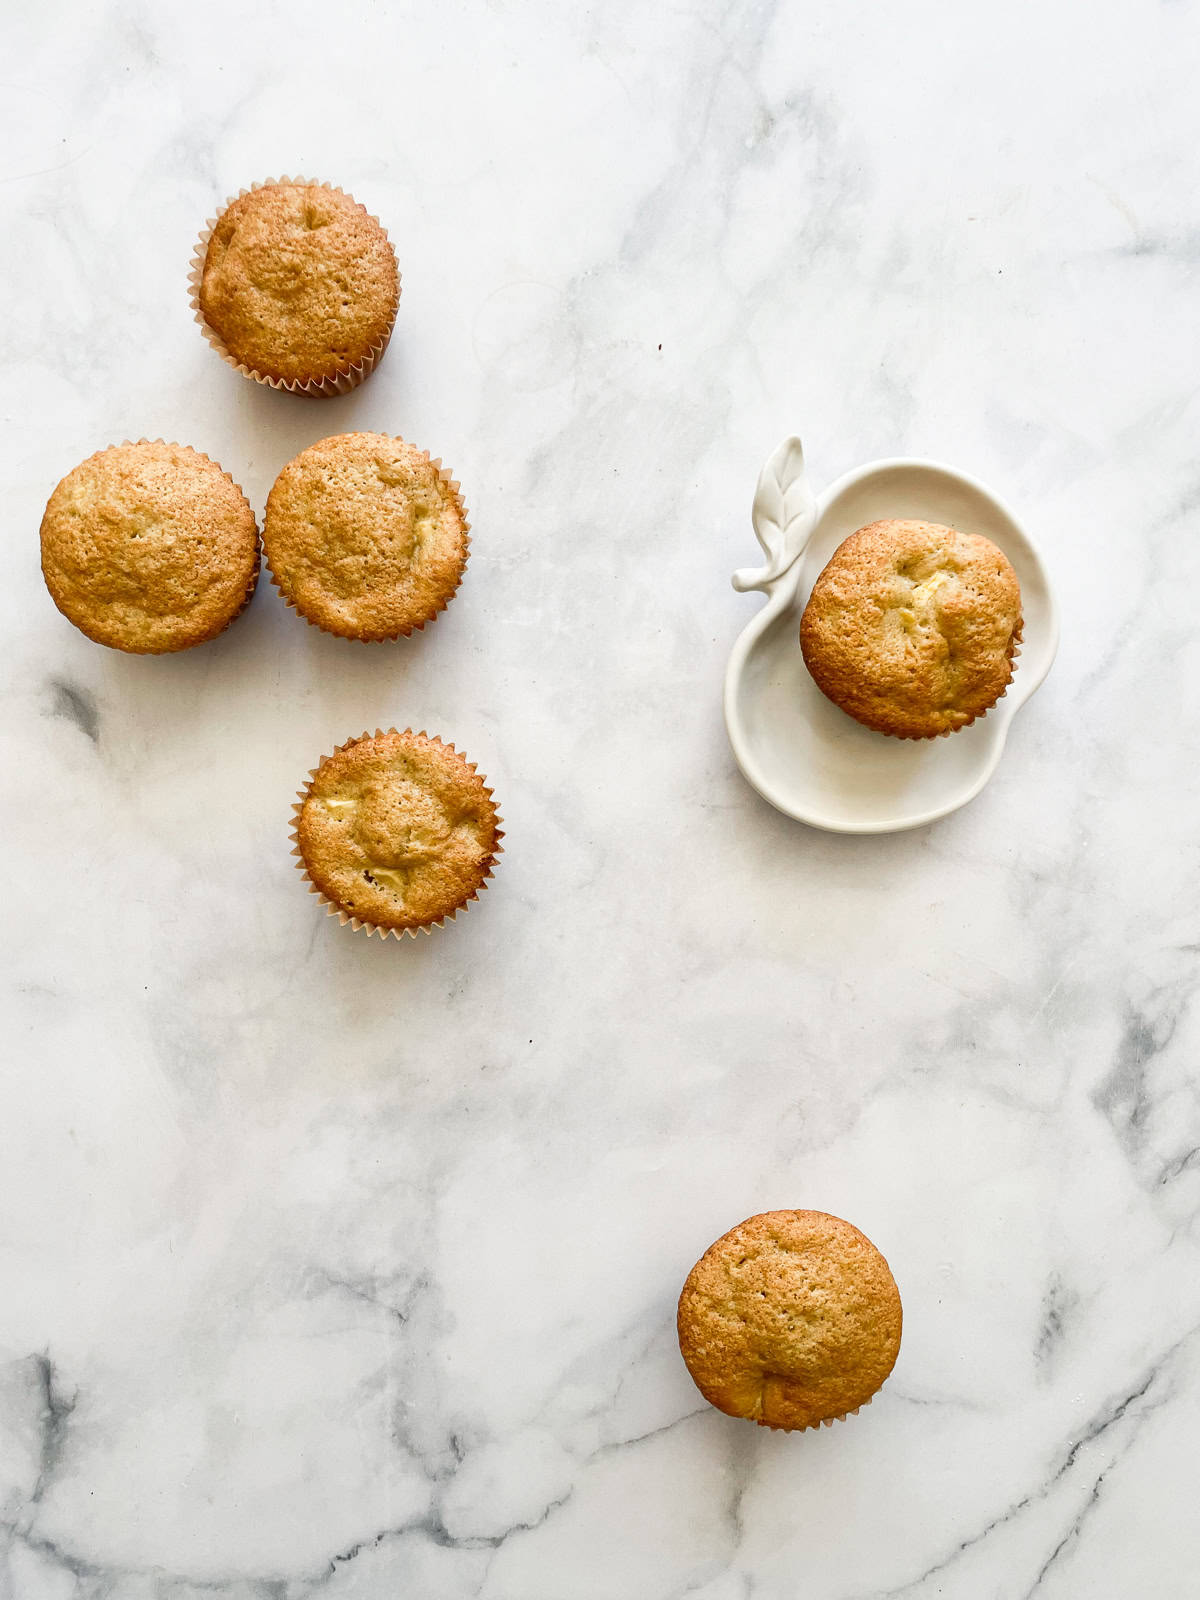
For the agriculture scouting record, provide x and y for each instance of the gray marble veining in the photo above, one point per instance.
(336, 1269)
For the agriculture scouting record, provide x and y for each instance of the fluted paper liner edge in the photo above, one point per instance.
(363, 924)
(313, 388)
(174, 650)
(455, 489)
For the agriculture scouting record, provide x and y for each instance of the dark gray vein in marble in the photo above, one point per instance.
(95, 1580)
(1100, 1425)
(75, 705)
(376, 1293)
(431, 1525)
(1178, 1165)
(1123, 1097)
(1072, 1533)
(56, 1412)
(1058, 1303)
(1160, 1150)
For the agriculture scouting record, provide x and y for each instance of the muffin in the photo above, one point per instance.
(365, 536)
(149, 547)
(912, 628)
(396, 832)
(297, 286)
(791, 1319)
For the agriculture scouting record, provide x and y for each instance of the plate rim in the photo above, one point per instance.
(784, 594)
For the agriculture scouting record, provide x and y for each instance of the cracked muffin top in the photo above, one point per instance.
(149, 547)
(397, 830)
(912, 628)
(365, 535)
(791, 1319)
(299, 282)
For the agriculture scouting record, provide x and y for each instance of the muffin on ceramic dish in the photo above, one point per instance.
(149, 547)
(913, 628)
(366, 536)
(296, 285)
(792, 1319)
(396, 831)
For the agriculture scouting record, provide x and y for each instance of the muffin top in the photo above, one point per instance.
(299, 282)
(912, 627)
(398, 830)
(791, 1319)
(149, 547)
(365, 536)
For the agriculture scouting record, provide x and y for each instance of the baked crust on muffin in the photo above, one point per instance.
(791, 1319)
(365, 535)
(299, 282)
(397, 830)
(912, 628)
(149, 547)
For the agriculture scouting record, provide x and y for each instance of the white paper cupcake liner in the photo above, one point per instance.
(313, 388)
(173, 444)
(455, 488)
(362, 924)
(815, 1427)
(947, 733)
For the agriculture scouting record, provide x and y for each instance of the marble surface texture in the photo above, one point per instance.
(337, 1268)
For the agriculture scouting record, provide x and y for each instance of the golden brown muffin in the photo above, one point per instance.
(149, 547)
(396, 831)
(791, 1319)
(365, 535)
(299, 283)
(912, 628)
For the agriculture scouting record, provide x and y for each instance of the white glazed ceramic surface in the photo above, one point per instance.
(797, 748)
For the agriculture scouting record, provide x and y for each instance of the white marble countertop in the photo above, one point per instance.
(336, 1267)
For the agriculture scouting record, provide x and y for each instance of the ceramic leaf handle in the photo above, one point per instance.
(784, 515)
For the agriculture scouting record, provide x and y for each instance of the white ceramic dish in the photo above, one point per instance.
(798, 749)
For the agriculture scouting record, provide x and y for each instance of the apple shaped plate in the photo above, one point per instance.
(802, 753)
